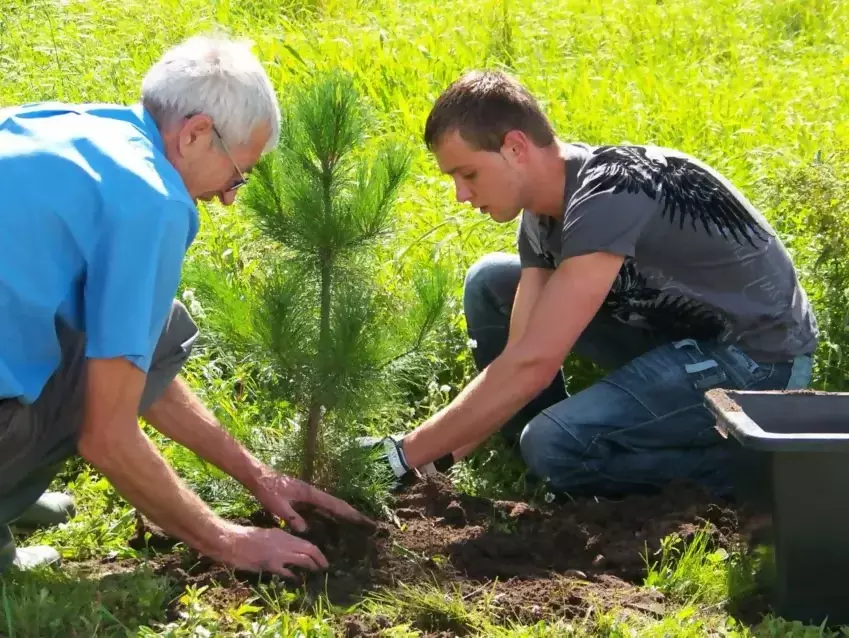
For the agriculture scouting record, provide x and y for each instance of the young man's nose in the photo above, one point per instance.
(464, 193)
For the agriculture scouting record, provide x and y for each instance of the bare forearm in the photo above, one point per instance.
(532, 282)
(478, 411)
(139, 473)
(464, 451)
(550, 313)
(181, 416)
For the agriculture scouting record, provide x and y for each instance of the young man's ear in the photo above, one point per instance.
(516, 145)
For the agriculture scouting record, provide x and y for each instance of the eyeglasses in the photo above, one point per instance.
(242, 178)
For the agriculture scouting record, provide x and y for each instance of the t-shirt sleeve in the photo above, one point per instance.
(131, 281)
(599, 219)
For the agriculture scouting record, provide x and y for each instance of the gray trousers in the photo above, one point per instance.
(37, 438)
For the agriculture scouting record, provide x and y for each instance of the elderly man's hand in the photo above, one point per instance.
(279, 493)
(258, 549)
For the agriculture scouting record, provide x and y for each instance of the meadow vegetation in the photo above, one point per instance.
(753, 87)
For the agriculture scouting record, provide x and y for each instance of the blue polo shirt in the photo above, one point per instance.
(94, 225)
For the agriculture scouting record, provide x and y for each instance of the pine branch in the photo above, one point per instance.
(376, 191)
(431, 288)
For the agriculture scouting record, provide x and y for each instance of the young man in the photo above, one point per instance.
(643, 259)
(99, 210)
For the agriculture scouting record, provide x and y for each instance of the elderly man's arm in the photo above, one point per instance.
(180, 415)
(111, 440)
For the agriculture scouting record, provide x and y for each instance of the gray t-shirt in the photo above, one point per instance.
(700, 260)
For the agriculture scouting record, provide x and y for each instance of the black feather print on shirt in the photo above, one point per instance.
(633, 301)
(688, 192)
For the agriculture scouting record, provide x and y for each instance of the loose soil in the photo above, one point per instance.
(529, 563)
(722, 401)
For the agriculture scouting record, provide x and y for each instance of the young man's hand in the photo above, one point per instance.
(390, 450)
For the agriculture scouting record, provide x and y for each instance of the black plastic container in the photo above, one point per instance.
(794, 463)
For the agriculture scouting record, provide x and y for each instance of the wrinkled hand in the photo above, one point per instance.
(278, 493)
(269, 550)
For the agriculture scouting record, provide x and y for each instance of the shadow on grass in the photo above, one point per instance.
(48, 602)
(751, 580)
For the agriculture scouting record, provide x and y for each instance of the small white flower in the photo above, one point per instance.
(196, 309)
(472, 343)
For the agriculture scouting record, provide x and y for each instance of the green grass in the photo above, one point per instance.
(55, 603)
(691, 570)
(693, 575)
(754, 87)
(101, 528)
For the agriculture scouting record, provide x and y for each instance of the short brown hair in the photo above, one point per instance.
(484, 106)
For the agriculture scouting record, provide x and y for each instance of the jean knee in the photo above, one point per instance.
(484, 281)
(538, 440)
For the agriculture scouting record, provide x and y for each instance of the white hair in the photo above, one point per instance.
(218, 77)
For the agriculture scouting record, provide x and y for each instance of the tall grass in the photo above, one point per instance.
(752, 87)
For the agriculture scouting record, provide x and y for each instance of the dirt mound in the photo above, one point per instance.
(533, 564)
(502, 539)
(353, 552)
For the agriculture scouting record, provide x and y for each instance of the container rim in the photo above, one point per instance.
(732, 418)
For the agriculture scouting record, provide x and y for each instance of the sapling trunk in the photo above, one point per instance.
(311, 442)
(325, 256)
(314, 418)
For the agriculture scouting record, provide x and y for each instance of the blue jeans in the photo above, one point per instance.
(642, 426)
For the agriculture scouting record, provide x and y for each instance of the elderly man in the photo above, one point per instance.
(642, 259)
(99, 210)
